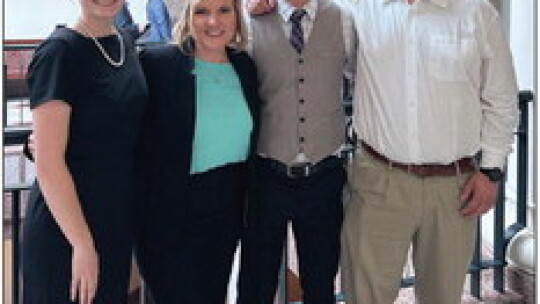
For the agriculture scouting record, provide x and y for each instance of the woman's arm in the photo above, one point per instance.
(51, 125)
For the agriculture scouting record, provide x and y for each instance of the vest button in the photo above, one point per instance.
(302, 139)
(301, 101)
(301, 61)
(302, 119)
(301, 80)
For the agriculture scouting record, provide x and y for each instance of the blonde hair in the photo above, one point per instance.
(183, 37)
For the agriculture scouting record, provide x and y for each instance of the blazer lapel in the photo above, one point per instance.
(248, 80)
(243, 73)
(183, 103)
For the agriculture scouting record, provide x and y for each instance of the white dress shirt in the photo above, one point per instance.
(435, 81)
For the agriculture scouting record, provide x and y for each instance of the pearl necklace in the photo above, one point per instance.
(115, 64)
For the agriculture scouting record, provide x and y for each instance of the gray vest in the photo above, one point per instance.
(302, 108)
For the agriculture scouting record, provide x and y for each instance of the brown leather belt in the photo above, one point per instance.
(465, 165)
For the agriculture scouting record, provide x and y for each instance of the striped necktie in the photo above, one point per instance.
(297, 33)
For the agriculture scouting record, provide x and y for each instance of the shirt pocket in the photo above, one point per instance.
(449, 57)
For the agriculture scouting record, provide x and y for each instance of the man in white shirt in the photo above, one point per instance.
(435, 86)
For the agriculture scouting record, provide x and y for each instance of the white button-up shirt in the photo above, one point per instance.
(285, 10)
(435, 81)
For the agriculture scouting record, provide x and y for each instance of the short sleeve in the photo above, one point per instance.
(49, 73)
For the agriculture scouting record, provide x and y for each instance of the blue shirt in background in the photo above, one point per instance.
(160, 23)
(124, 21)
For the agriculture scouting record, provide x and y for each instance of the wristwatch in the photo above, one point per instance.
(494, 174)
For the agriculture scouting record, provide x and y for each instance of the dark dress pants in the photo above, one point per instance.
(314, 206)
(192, 264)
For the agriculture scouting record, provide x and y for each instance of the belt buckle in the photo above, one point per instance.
(299, 170)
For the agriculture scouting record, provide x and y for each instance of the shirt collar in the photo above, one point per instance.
(441, 3)
(285, 9)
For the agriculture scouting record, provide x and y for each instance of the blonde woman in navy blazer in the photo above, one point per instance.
(198, 136)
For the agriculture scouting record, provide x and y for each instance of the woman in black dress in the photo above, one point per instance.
(87, 94)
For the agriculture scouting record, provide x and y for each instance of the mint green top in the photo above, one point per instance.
(223, 122)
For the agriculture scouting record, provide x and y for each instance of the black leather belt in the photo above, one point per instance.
(300, 170)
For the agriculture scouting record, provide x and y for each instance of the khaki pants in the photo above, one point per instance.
(390, 209)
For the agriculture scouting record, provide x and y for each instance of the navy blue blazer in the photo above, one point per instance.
(168, 130)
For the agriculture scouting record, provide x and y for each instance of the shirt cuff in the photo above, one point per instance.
(492, 160)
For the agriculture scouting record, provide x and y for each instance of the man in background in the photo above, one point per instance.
(124, 20)
(157, 15)
(157, 29)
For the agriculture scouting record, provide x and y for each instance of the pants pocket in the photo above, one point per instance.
(368, 181)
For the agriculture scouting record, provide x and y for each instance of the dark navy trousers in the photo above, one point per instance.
(314, 207)
(189, 260)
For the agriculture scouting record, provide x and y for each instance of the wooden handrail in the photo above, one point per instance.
(21, 41)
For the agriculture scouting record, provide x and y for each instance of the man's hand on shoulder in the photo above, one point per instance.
(260, 7)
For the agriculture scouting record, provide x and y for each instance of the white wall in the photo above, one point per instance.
(35, 19)
(522, 41)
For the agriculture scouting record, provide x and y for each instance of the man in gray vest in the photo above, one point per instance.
(302, 50)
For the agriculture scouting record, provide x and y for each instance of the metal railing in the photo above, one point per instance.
(15, 192)
(501, 235)
(17, 136)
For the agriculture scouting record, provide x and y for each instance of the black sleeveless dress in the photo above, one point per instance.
(107, 105)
